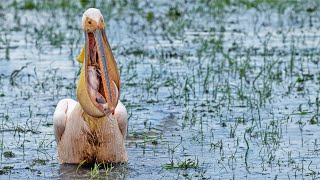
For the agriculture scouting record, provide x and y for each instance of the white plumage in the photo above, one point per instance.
(93, 14)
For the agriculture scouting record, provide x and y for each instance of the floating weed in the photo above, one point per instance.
(314, 120)
(6, 170)
(41, 162)
(150, 17)
(186, 164)
(28, 5)
(95, 171)
(174, 13)
(8, 154)
(109, 169)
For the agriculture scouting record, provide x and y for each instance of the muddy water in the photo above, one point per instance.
(213, 90)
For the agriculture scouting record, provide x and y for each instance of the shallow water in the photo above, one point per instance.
(214, 91)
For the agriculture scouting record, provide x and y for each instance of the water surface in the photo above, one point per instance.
(215, 90)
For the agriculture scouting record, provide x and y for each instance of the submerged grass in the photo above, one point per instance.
(232, 83)
(186, 164)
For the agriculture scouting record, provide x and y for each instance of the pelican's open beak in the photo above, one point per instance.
(99, 74)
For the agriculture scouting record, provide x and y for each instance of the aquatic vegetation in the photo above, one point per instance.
(188, 163)
(8, 154)
(214, 89)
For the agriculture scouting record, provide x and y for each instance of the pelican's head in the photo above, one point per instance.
(99, 84)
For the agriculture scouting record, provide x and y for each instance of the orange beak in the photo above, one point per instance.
(104, 60)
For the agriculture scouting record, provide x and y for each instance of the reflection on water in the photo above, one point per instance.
(103, 171)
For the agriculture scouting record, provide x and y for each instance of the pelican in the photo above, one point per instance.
(94, 129)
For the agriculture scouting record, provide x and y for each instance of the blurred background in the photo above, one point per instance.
(215, 89)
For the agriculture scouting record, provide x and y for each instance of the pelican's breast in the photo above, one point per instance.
(91, 139)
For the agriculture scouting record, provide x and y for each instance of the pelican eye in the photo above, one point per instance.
(89, 22)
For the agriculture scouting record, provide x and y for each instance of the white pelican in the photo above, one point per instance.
(93, 129)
